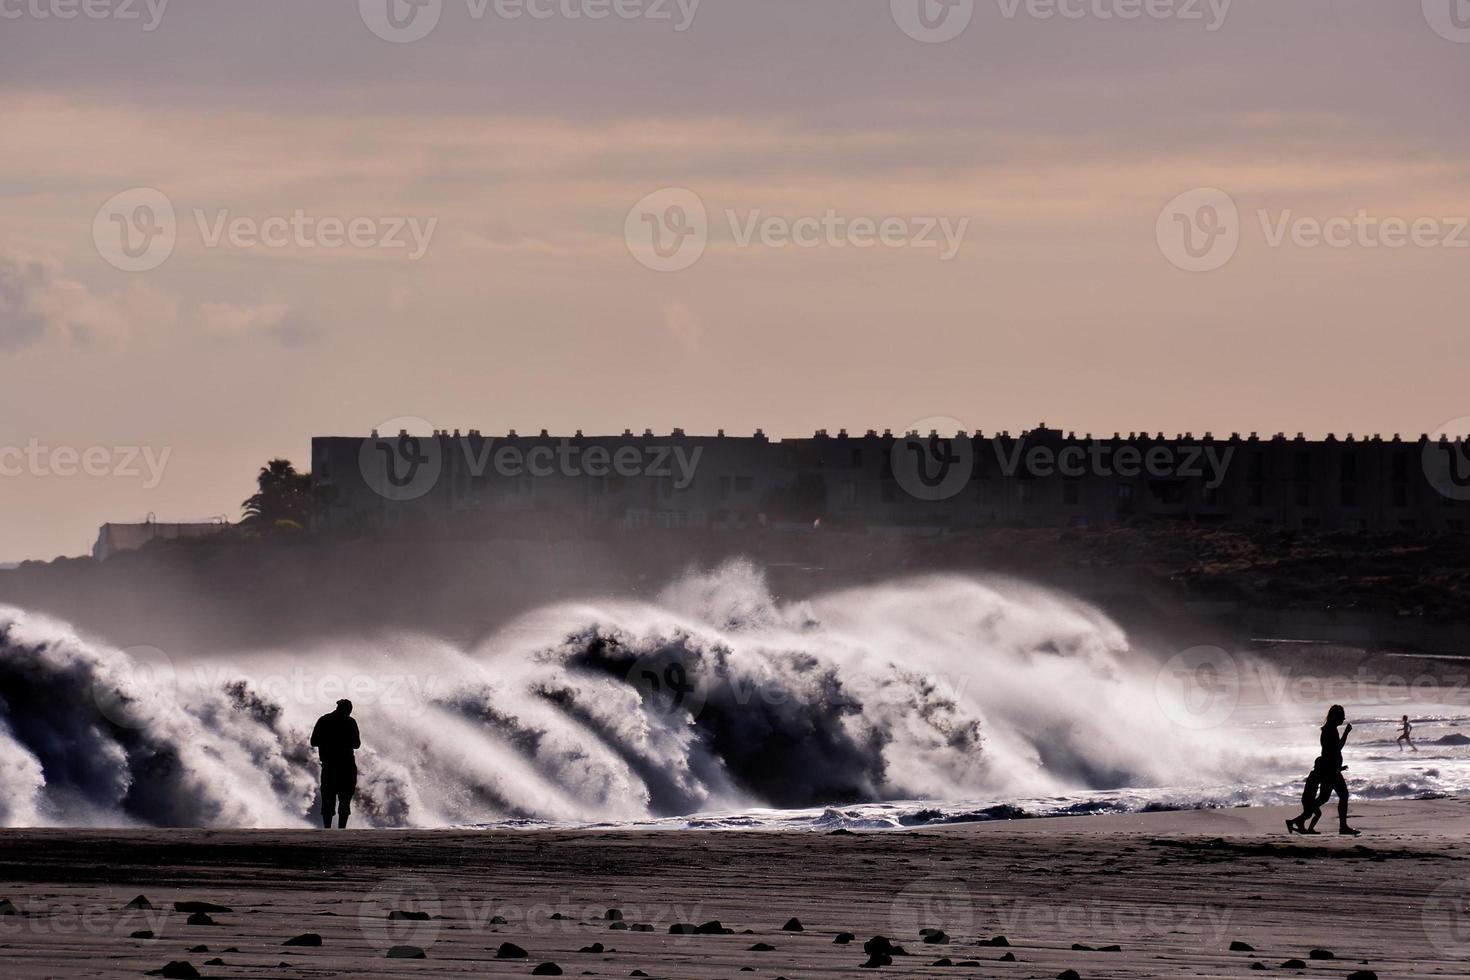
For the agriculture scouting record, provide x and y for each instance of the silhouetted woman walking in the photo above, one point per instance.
(1331, 769)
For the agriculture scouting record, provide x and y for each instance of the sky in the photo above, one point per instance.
(228, 227)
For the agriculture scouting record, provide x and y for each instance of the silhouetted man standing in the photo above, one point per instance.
(335, 737)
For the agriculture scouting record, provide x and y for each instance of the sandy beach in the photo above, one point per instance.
(1171, 891)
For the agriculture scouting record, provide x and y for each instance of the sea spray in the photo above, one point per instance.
(715, 697)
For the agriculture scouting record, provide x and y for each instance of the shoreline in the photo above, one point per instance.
(1171, 889)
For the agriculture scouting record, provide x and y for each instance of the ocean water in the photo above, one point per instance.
(920, 701)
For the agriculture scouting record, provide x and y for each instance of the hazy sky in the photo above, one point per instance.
(518, 148)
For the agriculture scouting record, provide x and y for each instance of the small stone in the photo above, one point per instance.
(1321, 954)
(398, 915)
(7, 907)
(406, 953)
(793, 924)
(616, 915)
(510, 951)
(1363, 975)
(214, 962)
(200, 907)
(200, 949)
(712, 928)
(1008, 958)
(141, 902)
(683, 929)
(498, 920)
(305, 939)
(1293, 964)
(199, 919)
(178, 970)
(1239, 947)
(1069, 975)
(843, 938)
(934, 935)
(141, 934)
(762, 948)
(546, 970)
(594, 948)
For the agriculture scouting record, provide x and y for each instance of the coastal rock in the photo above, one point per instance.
(510, 951)
(406, 953)
(305, 939)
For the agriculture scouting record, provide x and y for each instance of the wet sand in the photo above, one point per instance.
(1172, 891)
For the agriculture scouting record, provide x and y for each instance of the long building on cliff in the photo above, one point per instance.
(918, 483)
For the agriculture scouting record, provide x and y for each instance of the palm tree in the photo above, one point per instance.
(284, 498)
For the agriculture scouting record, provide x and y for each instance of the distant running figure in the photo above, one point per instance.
(336, 739)
(1406, 734)
(1312, 800)
(1332, 767)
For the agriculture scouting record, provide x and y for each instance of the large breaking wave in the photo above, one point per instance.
(713, 698)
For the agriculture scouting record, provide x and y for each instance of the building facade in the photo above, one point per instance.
(919, 483)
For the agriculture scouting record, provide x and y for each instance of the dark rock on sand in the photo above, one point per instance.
(305, 939)
(1115, 948)
(141, 934)
(943, 961)
(7, 907)
(793, 924)
(177, 970)
(934, 935)
(1293, 964)
(200, 907)
(200, 949)
(510, 951)
(615, 915)
(641, 927)
(997, 941)
(683, 929)
(499, 920)
(618, 924)
(1069, 975)
(199, 919)
(1079, 948)
(141, 902)
(1321, 954)
(1239, 947)
(406, 953)
(546, 970)
(1363, 975)
(594, 948)
(762, 948)
(712, 928)
(214, 962)
(399, 914)
(843, 938)
(1008, 958)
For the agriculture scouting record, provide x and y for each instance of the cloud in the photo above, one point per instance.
(40, 304)
(240, 321)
